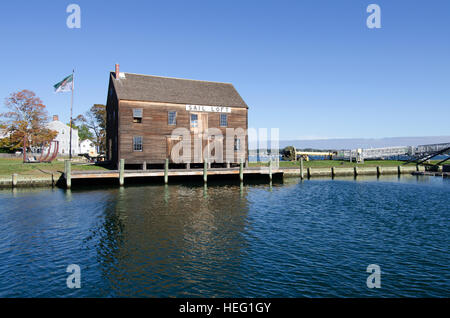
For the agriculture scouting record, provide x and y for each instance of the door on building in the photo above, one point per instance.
(199, 126)
(171, 142)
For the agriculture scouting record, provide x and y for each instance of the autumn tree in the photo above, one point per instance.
(95, 120)
(26, 118)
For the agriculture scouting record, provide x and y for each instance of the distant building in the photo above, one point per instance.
(3, 133)
(88, 147)
(64, 136)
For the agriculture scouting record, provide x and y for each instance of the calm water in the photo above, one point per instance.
(313, 238)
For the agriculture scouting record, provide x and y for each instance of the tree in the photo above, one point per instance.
(83, 132)
(26, 119)
(288, 153)
(95, 120)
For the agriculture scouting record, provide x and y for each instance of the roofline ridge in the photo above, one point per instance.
(178, 78)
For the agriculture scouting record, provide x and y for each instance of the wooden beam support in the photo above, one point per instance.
(301, 168)
(166, 171)
(68, 173)
(14, 180)
(122, 172)
(241, 171)
(270, 169)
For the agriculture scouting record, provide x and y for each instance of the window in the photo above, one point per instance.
(137, 115)
(194, 120)
(237, 144)
(137, 143)
(172, 118)
(223, 120)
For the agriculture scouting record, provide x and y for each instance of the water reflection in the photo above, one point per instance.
(300, 238)
(68, 195)
(151, 245)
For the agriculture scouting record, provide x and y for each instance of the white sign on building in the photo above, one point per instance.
(213, 109)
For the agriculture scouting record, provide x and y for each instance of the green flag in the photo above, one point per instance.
(65, 85)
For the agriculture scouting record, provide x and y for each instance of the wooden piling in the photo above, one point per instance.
(309, 172)
(14, 180)
(205, 171)
(378, 171)
(355, 170)
(241, 171)
(399, 170)
(333, 173)
(270, 169)
(301, 167)
(166, 171)
(122, 172)
(68, 173)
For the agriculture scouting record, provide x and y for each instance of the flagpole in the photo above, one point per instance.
(71, 106)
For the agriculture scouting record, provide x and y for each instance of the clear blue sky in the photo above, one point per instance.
(311, 68)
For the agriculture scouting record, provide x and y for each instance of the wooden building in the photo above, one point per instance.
(144, 111)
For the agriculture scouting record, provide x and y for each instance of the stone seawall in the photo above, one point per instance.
(363, 171)
(28, 181)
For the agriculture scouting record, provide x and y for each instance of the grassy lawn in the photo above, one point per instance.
(10, 166)
(333, 163)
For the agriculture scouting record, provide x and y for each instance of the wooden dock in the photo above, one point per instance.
(170, 173)
(267, 172)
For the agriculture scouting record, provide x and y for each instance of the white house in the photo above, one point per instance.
(87, 146)
(64, 136)
(3, 133)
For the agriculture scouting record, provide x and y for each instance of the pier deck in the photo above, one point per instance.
(171, 172)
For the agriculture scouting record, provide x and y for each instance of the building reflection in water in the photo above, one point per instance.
(172, 241)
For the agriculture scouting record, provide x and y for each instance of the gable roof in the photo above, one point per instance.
(59, 125)
(175, 90)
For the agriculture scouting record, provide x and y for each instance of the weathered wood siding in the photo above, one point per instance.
(155, 129)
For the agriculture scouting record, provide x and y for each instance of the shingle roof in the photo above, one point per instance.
(175, 90)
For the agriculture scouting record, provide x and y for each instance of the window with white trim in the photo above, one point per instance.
(194, 120)
(137, 143)
(223, 120)
(172, 118)
(137, 115)
(237, 143)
